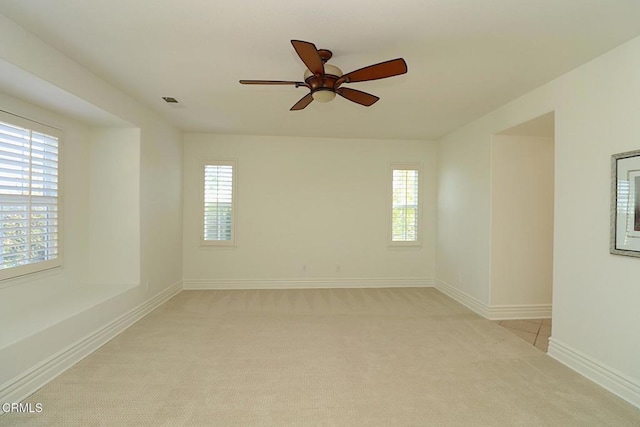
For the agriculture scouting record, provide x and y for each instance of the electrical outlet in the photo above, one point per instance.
(338, 268)
(147, 285)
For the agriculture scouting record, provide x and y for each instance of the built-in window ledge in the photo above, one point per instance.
(23, 320)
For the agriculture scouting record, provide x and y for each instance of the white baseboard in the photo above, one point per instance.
(520, 311)
(612, 380)
(30, 381)
(400, 282)
(495, 312)
(463, 298)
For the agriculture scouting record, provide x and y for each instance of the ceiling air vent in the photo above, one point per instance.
(170, 99)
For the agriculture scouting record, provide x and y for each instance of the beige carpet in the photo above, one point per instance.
(350, 357)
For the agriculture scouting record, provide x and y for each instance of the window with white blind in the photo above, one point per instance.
(405, 211)
(29, 197)
(219, 203)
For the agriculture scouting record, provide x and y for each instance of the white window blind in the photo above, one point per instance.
(404, 211)
(219, 189)
(29, 197)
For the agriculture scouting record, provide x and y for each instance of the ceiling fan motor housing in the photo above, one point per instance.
(323, 86)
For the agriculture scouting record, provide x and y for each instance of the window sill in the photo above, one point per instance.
(29, 277)
(404, 245)
(213, 246)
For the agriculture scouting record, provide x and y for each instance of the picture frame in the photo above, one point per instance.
(625, 204)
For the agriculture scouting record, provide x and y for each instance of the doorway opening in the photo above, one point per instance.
(522, 191)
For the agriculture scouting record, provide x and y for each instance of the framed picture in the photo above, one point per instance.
(625, 204)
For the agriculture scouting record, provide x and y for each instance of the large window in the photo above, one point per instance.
(405, 212)
(29, 197)
(219, 203)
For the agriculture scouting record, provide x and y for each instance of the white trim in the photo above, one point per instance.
(29, 382)
(495, 312)
(29, 121)
(397, 282)
(14, 281)
(520, 311)
(463, 298)
(615, 381)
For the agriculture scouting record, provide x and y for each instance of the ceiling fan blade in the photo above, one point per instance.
(271, 82)
(382, 70)
(309, 55)
(357, 96)
(306, 100)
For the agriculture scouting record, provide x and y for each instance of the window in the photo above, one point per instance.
(29, 197)
(219, 203)
(405, 204)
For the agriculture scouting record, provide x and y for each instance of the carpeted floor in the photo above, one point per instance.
(326, 357)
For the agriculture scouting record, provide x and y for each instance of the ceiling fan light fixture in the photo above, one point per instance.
(323, 95)
(324, 80)
(328, 69)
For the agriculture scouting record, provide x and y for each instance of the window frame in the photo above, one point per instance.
(234, 196)
(405, 243)
(40, 266)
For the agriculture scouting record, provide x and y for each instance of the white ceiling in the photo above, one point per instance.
(465, 57)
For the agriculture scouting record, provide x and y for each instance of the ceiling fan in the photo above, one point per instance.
(324, 80)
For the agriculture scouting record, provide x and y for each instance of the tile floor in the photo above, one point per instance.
(534, 331)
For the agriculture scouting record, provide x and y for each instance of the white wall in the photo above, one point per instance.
(115, 206)
(596, 320)
(521, 220)
(319, 203)
(44, 318)
(463, 243)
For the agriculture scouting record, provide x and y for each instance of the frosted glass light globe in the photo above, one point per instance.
(323, 95)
